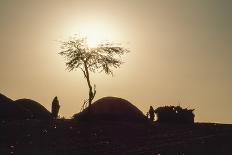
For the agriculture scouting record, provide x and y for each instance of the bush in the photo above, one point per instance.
(174, 114)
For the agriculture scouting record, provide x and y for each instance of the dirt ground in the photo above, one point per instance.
(69, 137)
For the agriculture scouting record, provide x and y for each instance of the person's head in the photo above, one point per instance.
(55, 98)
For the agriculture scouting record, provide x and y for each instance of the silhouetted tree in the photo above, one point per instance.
(102, 58)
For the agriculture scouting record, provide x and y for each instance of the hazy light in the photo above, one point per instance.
(96, 32)
(94, 38)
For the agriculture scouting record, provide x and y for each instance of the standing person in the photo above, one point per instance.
(147, 115)
(151, 113)
(55, 107)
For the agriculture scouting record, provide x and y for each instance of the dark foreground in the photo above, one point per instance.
(66, 137)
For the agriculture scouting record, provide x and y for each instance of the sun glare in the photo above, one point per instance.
(95, 31)
(93, 40)
(95, 34)
(94, 37)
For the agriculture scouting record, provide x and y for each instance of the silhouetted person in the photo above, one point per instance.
(55, 107)
(151, 113)
(147, 115)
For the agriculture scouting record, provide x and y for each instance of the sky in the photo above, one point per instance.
(181, 53)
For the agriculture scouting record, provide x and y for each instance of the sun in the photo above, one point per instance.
(95, 35)
(94, 30)
(93, 40)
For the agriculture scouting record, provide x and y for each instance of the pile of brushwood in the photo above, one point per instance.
(174, 114)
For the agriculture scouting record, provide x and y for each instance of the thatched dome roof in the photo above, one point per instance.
(21, 109)
(4, 99)
(9, 110)
(37, 110)
(112, 108)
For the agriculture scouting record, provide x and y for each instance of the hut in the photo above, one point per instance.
(37, 110)
(11, 111)
(111, 109)
(21, 109)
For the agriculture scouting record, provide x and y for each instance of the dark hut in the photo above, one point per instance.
(11, 111)
(37, 110)
(4, 99)
(112, 109)
(174, 114)
(21, 109)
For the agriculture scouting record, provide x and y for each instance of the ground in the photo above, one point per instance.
(34, 137)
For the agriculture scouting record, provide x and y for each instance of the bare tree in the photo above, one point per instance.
(104, 57)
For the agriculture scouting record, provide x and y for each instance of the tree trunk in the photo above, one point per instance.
(91, 93)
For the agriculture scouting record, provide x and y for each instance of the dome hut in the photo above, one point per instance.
(111, 109)
(37, 110)
(21, 109)
(11, 111)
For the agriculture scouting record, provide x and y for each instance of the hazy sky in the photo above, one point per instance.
(181, 53)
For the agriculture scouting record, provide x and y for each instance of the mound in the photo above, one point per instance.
(112, 109)
(21, 109)
(9, 110)
(4, 99)
(36, 109)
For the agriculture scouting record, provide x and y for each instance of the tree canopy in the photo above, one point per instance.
(104, 57)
